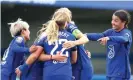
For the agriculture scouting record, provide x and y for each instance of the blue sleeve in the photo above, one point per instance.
(96, 36)
(18, 46)
(71, 27)
(121, 39)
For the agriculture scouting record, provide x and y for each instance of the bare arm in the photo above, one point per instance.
(44, 57)
(74, 57)
(34, 55)
(82, 39)
(57, 57)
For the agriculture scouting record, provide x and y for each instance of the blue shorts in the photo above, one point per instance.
(116, 78)
(59, 77)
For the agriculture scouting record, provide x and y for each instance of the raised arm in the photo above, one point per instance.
(81, 38)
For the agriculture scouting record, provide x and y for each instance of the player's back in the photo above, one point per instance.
(53, 67)
(11, 58)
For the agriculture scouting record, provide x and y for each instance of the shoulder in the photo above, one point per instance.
(109, 30)
(19, 39)
(71, 27)
(127, 32)
(71, 36)
(42, 36)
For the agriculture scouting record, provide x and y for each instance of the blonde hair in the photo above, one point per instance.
(58, 21)
(42, 29)
(17, 26)
(64, 9)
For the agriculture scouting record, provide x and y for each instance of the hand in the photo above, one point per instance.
(18, 72)
(69, 44)
(59, 57)
(33, 48)
(103, 40)
(88, 53)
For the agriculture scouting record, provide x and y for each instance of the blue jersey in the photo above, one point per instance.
(82, 56)
(71, 27)
(83, 61)
(35, 71)
(13, 55)
(53, 67)
(118, 49)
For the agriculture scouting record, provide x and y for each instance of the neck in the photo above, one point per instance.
(23, 37)
(120, 28)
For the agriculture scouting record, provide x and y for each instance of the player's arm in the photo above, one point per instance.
(44, 57)
(78, 34)
(94, 36)
(74, 57)
(74, 54)
(82, 39)
(31, 59)
(18, 48)
(120, 39)
(57, 57)
(34, 56)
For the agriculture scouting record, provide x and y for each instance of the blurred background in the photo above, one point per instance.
(89, 16)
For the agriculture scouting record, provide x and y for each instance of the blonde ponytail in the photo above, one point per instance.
(52, 31)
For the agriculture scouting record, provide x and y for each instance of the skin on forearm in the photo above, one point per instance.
(33, 56)
(58, 57)
(82, 39)
(74, 57)
(44, 57)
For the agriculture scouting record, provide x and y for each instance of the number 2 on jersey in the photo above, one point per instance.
(60, 41)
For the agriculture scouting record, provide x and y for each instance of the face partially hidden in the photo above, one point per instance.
(26, 34)
(117, 24)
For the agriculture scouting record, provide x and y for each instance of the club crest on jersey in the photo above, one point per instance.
(111, 52)
(127, 34)
(19, 39)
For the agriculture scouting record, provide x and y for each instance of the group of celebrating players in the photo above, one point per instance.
(58, 52)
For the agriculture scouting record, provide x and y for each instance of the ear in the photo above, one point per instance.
(22, 31)
(124, 22)
(66, 24)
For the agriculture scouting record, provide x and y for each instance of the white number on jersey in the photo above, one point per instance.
(60, 41)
